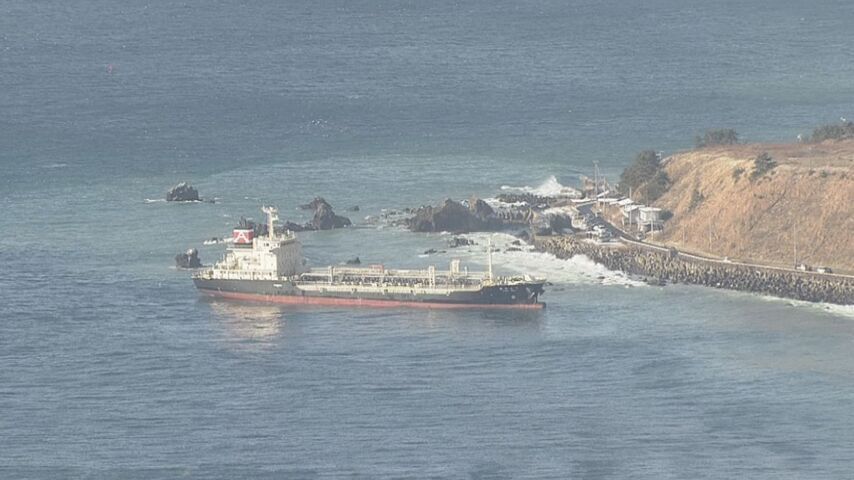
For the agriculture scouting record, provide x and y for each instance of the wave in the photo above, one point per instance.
(841, 310)
(509, 258)
(832, 308)
(550, 188)
(154, 200)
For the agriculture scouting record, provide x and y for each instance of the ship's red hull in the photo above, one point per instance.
(363, 302)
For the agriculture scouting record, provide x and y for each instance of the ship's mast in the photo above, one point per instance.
(272, 217)
(489, 257)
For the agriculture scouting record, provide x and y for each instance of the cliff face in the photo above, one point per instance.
(804, 205)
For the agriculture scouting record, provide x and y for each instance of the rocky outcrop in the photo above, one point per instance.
(312, 205)
(326, 219)
(290, 226)
(480, 209)
(665, 265)
(183, 192)
(353, 261)
(559, 222)
(452, 216)
(188, 259)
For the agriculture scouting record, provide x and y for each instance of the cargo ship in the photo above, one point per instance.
(265, 265)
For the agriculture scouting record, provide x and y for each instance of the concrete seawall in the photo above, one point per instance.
(671, 266)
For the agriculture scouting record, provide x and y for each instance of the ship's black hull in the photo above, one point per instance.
(523, 295)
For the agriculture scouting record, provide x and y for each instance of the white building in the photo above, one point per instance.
(649, 218)
(631, 214)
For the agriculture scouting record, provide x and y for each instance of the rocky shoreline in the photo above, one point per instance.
(670, 266)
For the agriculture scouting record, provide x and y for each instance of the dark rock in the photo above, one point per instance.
(558, 222)
(480, 209)
(245, 224)
(430, 251)
(529, 198)
(354, 261)
(460, 242)
(474, 216)
(312, 205)
(516, 216)
(354, 208)
(260, 229)
(541, 230)
(516, 242)
(182, 192)
(188, 259)
(326, 219)
(450, 216)
(293, 227)
(513, 249)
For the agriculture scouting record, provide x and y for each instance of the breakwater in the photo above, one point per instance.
(672, 266)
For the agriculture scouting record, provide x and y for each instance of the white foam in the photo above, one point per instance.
(558, 211)
(841, 310)
(498, 204)
(154, 200)
(832, 308)
(527, 260)
(550, 188)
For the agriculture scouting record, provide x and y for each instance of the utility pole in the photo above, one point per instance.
(795, 242)
(795, 227)
(489, 257)
(710, 235)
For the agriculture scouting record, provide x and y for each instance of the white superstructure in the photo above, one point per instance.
(272, 255)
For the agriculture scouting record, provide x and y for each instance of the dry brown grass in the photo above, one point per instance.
(807, 203)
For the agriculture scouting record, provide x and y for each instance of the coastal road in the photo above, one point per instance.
(631, 240)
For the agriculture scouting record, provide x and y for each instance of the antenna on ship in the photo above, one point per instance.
(272, 216)
(489, 257)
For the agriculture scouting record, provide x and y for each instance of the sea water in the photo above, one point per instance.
(111, 366)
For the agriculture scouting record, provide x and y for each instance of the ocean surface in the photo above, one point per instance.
(111, 366)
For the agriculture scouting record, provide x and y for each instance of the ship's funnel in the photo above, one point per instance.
(242, 236)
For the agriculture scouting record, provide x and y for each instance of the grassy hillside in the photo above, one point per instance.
(805, 202)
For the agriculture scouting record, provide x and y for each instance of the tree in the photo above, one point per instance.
(762, 164)
(696, 199)
(833, 132)
(655, 187)
(718, 136)
(645, 177)
(644, 168)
